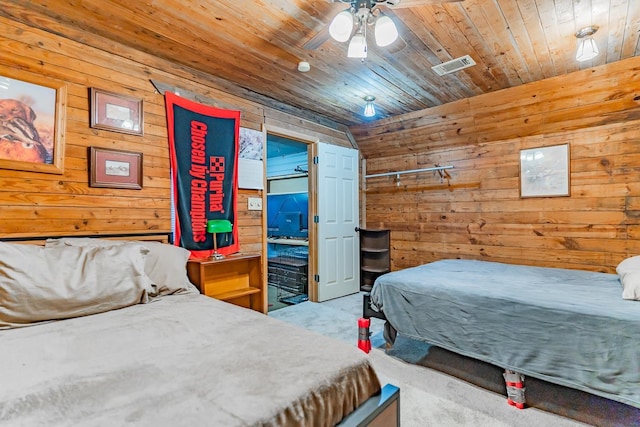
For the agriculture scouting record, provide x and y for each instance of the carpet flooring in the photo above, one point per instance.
(440, 388)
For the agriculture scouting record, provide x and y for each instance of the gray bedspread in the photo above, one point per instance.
(185, 360)
(567, 327)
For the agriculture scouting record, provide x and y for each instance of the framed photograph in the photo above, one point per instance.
(115, 168)
(115, 112)
(544, 171)
(32, 122)
(250, 159)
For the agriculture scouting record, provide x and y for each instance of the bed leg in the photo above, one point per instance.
(390, 334)
(364, 342)
(515, 388)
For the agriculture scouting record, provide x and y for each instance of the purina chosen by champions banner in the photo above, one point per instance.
(203, 149)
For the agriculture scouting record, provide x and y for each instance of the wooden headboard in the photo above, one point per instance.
(163, 237)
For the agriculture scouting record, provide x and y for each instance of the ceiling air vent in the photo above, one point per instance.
(453, 65)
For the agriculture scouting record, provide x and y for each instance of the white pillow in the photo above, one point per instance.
(40, 284)
(629, 272)
(166, 265)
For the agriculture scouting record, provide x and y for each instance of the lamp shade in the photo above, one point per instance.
(219, 226)
(587, 49)
(341, 26)
(385, 31)
(369, 108)
(357, 46)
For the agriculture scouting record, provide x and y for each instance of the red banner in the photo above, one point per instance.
(203, 148)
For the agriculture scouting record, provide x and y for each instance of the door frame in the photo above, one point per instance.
(310, 141)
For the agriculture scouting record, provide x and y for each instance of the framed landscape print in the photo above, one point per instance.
(32, 122)
(115, 112)
(115, 168)
(544, 171)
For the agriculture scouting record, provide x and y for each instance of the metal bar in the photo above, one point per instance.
(437, 168)
(368, 311)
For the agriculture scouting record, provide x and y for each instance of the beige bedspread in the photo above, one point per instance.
(185, 360)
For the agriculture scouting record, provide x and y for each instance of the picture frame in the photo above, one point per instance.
(116, 112)
(32, 132)
(110, 168)
(545, 171)
(250, 159)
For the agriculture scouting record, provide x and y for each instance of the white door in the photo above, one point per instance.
(338, 216)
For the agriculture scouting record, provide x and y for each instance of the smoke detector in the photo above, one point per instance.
(303, 66)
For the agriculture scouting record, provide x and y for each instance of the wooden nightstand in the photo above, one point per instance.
(236, 279)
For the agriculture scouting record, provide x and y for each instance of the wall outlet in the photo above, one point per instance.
(255, 204)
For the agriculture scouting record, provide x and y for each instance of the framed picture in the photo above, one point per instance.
(250, 159)
(32, 122)
(115, 112)
(544, 171)
(115, 168)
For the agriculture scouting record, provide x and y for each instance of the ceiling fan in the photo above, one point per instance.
(352, 24)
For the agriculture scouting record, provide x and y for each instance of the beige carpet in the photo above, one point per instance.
(439, 388)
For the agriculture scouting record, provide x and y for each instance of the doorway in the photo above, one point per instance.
(287, 221)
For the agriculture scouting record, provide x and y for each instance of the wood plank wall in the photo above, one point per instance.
(34, 204)
(477, 212)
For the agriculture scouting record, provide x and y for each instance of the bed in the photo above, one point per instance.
(113, 333)
(567, 327)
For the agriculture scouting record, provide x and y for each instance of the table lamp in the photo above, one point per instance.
(215, 226)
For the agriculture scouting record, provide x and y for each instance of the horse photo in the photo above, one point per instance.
(27, 121)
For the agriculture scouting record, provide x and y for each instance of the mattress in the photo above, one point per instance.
(567, 327)
(184, 360)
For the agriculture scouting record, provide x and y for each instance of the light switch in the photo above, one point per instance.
(255, 204)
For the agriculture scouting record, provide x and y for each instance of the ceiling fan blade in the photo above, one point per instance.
(413, 3)
(317, 40)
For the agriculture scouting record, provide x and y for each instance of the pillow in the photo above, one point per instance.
(629, 272)
(166, 265)
(39, 284)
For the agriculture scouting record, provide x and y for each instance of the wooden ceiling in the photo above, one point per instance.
(254, 46)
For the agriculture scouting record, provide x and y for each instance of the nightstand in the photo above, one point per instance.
(236, 279)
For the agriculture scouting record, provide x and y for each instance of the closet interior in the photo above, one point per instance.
(287, 221)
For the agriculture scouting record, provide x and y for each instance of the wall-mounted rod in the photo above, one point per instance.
(437, 168)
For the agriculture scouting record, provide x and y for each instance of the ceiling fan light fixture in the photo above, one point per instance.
(369, 107)
(587, 47)
(342, 26)
(385, 31)
(357, 46)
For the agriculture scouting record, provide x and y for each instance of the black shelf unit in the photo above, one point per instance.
(375, 256)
